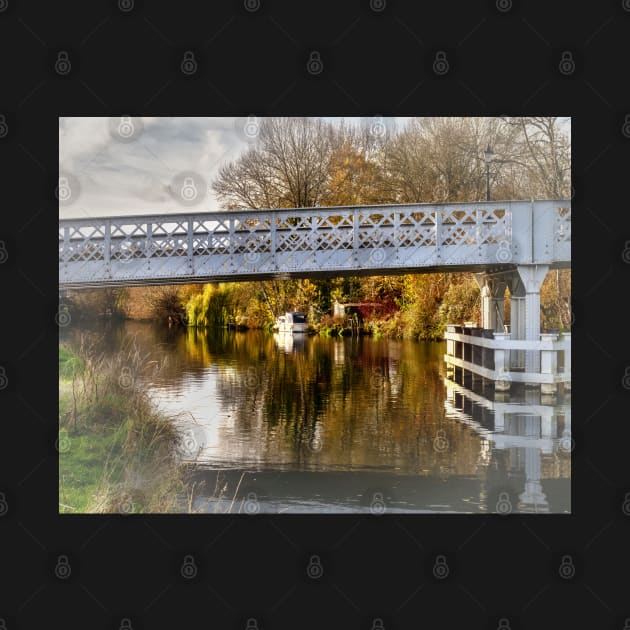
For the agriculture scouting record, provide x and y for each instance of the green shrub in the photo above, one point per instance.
(214, 307)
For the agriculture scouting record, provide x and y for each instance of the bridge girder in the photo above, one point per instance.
(489, 237)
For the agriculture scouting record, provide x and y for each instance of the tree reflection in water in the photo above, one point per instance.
(360, 414)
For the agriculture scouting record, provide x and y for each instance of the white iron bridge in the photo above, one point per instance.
(313, 242)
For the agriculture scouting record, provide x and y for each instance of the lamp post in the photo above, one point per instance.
(487, 156)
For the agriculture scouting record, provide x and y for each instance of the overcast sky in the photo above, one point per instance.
(114, 166)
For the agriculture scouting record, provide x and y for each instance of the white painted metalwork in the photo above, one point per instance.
(547, 374)
(258, 244)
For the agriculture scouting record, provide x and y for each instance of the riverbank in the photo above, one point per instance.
(415, 307)
(117, 453)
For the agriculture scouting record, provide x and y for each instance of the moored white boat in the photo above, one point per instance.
(293, 322)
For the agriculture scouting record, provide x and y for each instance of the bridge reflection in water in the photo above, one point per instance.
(532, 429)
(353, 425)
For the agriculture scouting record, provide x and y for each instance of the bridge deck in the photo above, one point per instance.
(311, 242)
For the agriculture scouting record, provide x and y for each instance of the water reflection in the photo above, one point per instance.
(532, 434)
(305, 424)
(287, 342)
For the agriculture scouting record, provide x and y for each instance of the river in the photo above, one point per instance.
(302, 424)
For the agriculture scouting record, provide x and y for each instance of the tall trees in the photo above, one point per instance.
(304, 162)
(441, 159)
(287, 168)
(543, 148)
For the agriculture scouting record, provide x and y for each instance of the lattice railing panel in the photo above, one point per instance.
(376, 230)
(229, 244)
(83, 243)
(416, 229)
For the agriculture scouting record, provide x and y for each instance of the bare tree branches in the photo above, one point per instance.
(302, 162)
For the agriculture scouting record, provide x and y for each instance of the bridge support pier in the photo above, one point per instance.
(524, 283)
(492, 304)
(517, 317)
(532, 277)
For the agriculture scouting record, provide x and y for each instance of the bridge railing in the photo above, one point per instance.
(492, 355)
(255, 242)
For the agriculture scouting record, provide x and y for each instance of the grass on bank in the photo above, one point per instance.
(117, 453)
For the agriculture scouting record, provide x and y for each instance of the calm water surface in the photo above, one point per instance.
(306, 424)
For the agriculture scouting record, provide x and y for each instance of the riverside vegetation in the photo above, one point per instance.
(307, 162)
(117, 453)
(410, 306)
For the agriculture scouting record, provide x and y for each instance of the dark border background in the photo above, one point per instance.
(375, 63)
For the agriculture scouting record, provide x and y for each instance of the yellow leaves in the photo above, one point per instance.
(352, 179)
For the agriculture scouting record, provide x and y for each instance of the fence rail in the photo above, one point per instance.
(262, 243)
(495, 356)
